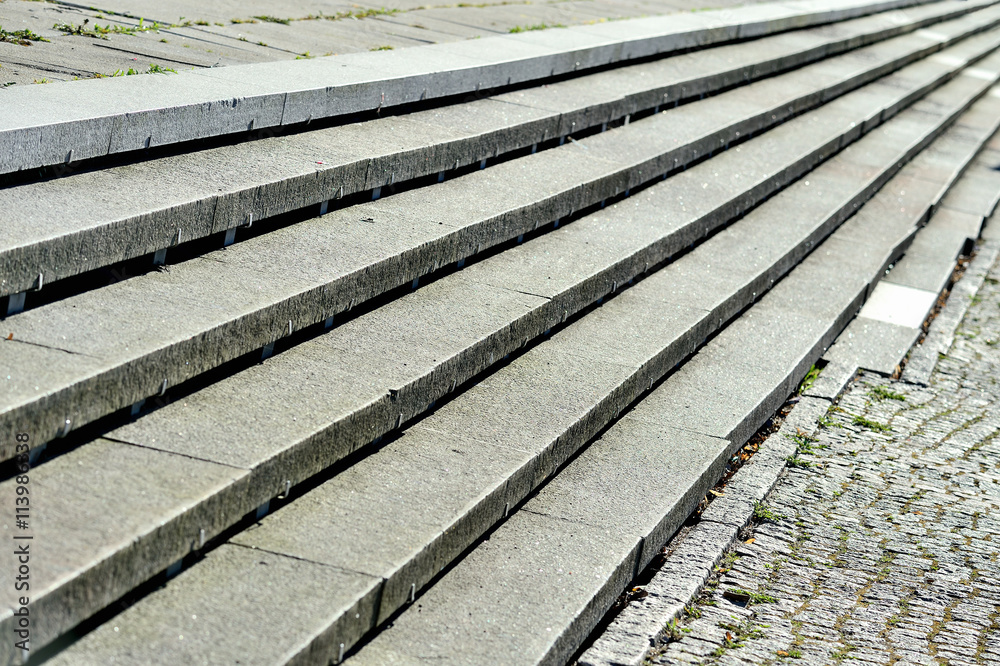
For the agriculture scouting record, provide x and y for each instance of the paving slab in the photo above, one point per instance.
(873, 344)
(236, 585)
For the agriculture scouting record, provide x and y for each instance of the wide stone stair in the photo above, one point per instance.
(426, 354)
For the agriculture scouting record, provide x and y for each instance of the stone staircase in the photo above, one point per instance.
(545, 298)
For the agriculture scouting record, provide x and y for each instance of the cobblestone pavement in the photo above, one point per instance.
(880, 542)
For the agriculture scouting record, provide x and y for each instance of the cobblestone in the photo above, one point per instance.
(886, 531)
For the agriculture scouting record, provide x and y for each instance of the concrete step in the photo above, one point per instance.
(68, 122)
(403, 513)
(218, 190)
(380, 371)
(547, 576)
(233, 422)
(109, 348)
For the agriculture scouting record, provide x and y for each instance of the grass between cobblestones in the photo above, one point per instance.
(880, 543)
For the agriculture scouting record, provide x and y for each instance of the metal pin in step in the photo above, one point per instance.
(249, 220)
(69, 156)
(65, 429)
(506, 509)
(178, 237)
(15, 303)
(36, 453)
(263, 509)
(399, 421)
(340, 657)
(289, 327)
(413, 592)
(41, 282)
(288, 488)
(201, 538)
(614, 286)
(163, 388)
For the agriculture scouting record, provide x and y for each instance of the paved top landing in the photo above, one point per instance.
(186, 34)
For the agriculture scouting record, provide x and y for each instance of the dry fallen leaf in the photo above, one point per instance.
(782, 653)
(749, 540)
(10, 336)
(729, 637)
(716, 493)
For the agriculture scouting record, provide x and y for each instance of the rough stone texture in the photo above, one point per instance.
(236, 585)
(343, 401)
(924, 358)
(104, 116)
(255, 300)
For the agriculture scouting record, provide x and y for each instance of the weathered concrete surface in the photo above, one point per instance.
(514, 409)
(727, 390)
(182, 34)
(257, 303)
(210, 192)
(58, 124)
(644, 624)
